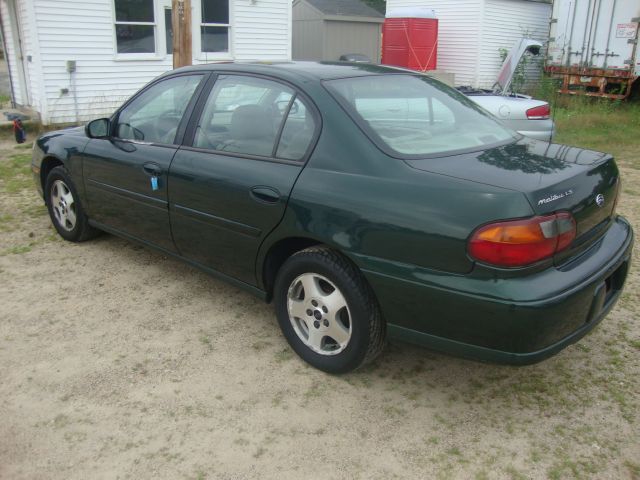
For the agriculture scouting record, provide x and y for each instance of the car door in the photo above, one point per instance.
(125, 175)
(229, 185)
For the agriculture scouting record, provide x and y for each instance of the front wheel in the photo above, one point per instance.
(65, 210)
(327, 311)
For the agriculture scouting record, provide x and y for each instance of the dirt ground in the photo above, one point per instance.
(117, 362)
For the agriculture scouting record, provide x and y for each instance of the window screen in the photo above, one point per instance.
(135, 26)
(214, 26)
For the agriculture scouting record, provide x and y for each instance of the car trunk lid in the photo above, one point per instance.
(552, 177)
(510, 64)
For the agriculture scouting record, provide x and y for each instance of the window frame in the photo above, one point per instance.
(164, 8)
(156, 55)
(184, 121)
(198, 111)
(197, 23)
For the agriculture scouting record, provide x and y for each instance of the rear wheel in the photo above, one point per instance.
(65, 210)
(327, 311)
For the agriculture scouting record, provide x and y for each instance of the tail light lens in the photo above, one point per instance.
(539, 113)
(518, 243)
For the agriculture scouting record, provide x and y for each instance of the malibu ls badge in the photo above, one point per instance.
(554, 197)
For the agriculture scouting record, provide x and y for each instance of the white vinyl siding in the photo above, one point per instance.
(506, 22)
(472, 32)
(57, 31)
(261, 30)
(83, 31)
(458, 34)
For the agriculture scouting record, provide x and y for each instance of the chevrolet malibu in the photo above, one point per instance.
(366, 202)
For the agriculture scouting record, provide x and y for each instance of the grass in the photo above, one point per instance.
(205, 340)
(15, 173)
(598, 375)
(600, 124)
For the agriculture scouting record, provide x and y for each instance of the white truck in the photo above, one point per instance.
(593, 46)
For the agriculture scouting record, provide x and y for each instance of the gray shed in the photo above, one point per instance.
(326, 29)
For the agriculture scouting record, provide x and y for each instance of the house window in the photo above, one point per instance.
(214, 26)
(135, 26)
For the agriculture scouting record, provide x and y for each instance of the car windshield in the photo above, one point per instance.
(412, 116)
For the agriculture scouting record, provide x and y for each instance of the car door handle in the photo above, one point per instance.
(152, 169)
(265, 194)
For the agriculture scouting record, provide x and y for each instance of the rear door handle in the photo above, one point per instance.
(265, 194)
(152, 169)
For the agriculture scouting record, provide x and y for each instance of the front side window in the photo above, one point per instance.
(214, 26)
(412, 116)
(135, 26)
(243, 115)
(155, 114)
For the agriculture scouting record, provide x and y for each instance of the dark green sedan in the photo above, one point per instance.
(366, 202)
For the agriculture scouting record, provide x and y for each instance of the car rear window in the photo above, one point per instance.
(416, 116)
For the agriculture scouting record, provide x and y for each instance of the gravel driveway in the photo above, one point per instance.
(118, 362)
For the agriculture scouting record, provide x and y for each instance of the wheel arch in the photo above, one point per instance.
(48, 163)
(277, 254)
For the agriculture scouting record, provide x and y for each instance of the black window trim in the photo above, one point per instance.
(186, 116)
(285, 117)
(196, 114)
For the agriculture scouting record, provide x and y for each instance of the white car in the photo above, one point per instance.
(522, 113)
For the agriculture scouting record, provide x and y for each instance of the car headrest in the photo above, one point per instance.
(249, 122)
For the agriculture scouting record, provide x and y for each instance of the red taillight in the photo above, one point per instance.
(539, 113)
(517, 243)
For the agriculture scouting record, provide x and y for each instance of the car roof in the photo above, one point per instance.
(297, 70)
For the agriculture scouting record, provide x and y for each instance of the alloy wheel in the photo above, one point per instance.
(63, 205)
(319, 314)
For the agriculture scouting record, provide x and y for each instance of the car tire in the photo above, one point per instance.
(339, 303)
(63, 203)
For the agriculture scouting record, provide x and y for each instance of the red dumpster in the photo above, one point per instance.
(410, 38)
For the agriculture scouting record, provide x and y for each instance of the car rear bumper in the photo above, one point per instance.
(519, 320)
(538, 129)
(545, 136)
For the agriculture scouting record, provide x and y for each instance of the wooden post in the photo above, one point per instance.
(181, 23)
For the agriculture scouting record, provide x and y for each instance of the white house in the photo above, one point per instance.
(73, 60)
(472, 32)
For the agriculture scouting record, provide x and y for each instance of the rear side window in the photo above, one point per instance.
(243, 115)
(412, 116)
(297, 133)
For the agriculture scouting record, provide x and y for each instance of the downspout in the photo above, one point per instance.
(6, 57)
(42, 103)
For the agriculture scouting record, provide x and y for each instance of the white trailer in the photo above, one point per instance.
(593, 46)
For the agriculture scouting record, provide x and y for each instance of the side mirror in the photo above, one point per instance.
(99, 128)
